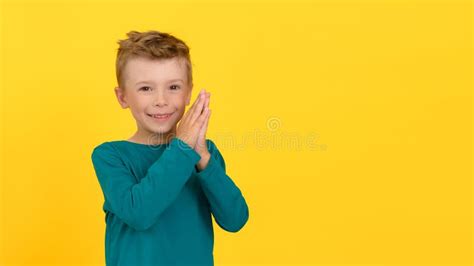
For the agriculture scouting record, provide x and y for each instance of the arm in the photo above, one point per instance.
(226, 201)
(139, 205)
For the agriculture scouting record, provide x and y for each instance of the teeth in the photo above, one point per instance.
(160, 116)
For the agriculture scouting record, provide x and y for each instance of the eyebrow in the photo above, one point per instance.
(149, 81)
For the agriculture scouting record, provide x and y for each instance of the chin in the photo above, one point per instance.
(160, 130)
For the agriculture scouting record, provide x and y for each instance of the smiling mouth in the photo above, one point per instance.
(160, 116)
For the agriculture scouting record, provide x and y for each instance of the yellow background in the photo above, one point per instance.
(381, 89)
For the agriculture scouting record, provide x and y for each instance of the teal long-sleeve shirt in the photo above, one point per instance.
(158, 205)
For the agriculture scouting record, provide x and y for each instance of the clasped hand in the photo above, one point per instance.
(193, 127)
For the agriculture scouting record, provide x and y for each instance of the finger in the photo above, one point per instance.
(206, 123)
(206, 101)
(195, 103)
(198, 97)
(201, 119)
(206, 104)
(196, 113)
(208, 98)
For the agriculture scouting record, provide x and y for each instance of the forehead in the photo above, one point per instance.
(158, 70)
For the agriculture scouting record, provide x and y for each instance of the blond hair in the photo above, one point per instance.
(152, 45)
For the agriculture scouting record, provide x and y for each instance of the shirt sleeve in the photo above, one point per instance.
(139, 205)
(226, 201)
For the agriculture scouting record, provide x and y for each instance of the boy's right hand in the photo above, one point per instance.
(192, 121)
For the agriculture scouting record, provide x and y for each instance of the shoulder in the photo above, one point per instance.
(102, 147)
(105, 149)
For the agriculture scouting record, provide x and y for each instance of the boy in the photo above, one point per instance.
(161, 185)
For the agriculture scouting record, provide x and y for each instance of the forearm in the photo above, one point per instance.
(226, 200)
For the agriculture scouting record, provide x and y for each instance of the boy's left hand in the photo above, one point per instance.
(201, 145)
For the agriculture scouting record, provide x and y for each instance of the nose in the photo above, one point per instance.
(159, 98)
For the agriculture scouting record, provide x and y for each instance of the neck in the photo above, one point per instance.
(152, 138)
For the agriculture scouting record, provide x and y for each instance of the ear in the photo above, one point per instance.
(119, 92)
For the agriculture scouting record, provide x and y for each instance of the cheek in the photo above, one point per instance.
(138, 105)
(179, 101)
(180, 106)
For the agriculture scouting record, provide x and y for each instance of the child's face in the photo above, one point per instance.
(151, 88)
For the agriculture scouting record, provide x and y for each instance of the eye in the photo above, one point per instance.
(174, 86)
(144, 88)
